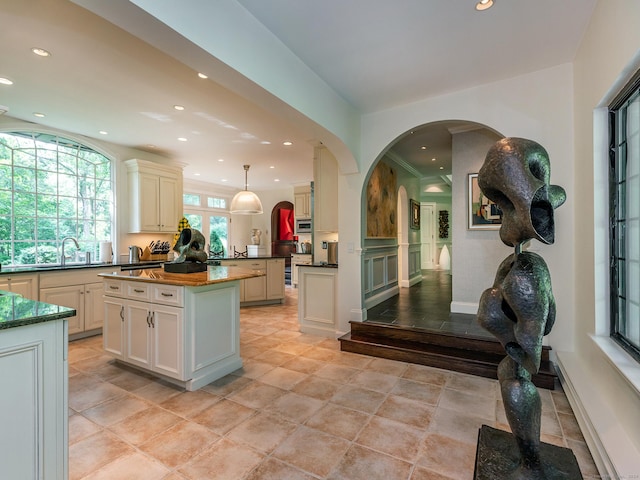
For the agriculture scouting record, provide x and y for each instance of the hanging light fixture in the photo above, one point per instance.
(246, 202)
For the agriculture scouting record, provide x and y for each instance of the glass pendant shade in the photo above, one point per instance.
(246, 202)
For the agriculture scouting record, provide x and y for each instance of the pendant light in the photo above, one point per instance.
(246, 202)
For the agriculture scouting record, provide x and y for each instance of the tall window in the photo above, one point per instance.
(211, 217)
(625, 218)
(51, 188)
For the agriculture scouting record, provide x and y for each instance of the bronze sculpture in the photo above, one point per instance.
(520, 307)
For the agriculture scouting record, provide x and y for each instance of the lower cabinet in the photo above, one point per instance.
(23, 284)
(187, 334)
(80, 290)
(298, 259)
(266, 289)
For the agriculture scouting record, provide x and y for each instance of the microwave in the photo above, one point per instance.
(304, 225)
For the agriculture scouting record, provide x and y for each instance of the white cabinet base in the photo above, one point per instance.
(317, 300)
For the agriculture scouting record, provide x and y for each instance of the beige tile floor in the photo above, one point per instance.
(298, 409)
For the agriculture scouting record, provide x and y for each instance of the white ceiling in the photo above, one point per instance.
(375, 54)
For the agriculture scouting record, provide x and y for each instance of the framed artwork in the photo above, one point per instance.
(483, 214)
(414, 208)
(382, 202)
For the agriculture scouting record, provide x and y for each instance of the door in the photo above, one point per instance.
(72, 297)
(215, 229)
(428, 235)
(137, 320)
(167, 337)
(113, 327)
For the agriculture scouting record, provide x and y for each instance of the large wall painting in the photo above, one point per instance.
(382, 202)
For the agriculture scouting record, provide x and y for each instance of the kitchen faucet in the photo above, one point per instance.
(62, 257)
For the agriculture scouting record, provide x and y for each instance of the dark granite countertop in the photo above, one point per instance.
(74, 266)
(17, 311)
(321, 265)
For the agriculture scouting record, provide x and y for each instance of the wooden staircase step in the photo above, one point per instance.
(472, 355)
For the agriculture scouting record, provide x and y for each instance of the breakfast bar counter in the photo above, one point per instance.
(183, 327)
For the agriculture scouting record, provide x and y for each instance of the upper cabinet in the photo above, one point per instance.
(302, 201)
(325, 191)
(155, 196)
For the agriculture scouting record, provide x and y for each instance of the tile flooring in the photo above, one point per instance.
(299, 409)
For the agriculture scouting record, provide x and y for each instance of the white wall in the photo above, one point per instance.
(600, 378)
(475, 254)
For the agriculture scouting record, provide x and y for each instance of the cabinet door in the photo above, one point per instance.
(72, 297)
(149, 202)
(93, 306)
(275, 278)
(302, 205)
(170, 205)
(137, 321)
(24, 285)
(167, 336)
(113, 327)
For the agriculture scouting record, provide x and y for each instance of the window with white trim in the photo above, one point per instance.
(51, 187)
(210, 215)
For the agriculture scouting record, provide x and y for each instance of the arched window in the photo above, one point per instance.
(51, 188)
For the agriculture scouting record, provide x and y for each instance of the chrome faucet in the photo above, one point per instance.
(63, 259)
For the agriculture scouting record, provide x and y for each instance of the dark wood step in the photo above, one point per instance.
(472, 355)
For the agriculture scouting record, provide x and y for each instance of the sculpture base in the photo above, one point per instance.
(185, 267)
(498, 456)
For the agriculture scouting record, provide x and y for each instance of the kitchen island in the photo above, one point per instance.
(183, 327)
(34, 378)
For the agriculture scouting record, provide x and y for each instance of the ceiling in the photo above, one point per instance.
(375, 54)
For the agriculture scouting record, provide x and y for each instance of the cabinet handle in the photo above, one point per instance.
(113, 287)
(137, 290)
(122, 313)
(167, 294)
(153, 325)
(148, 322)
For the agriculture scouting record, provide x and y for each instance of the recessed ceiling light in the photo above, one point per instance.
(196, 174)
(182, 139)
(5, 81)
(276, 180)
(178, 107)
(423, 147)
(202, 75)
(272, 166)
(441, 168)
(265, 142)
(484, 5)
(103, 132)
(221, 159)
(41, 52)
(433, 159)
(38, 114)
(287, 143)
(225, 180)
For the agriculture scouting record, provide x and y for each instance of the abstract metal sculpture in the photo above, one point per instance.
(192, 255)
(520, 307)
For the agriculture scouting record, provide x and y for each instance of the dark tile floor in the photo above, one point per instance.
(426, 306)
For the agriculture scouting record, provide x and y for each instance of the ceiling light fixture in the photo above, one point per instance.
(287, 143)
(103, 132)
(246, 202)
(38, 114)
(178, 107)
(41, 52)
(484, 5)
(5, 81)
(202, 75)
(182, 139)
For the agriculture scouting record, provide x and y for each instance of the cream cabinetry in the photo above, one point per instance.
(325, 191)
(268, 288)
(298, 259)
(80, 289)
(34, 402)
(23, 284)
(317, 305)
(302, 202)
(155, 196)
(188, 335)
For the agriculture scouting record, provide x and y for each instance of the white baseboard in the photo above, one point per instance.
(381, 297)
(464, 307)
(613, 452)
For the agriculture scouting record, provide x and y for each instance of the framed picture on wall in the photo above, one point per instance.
(414, 210)
(483, 214)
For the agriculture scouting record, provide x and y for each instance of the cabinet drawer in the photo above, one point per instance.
(254, 264)
(138, 290)
(167, 295)
(114, 288)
